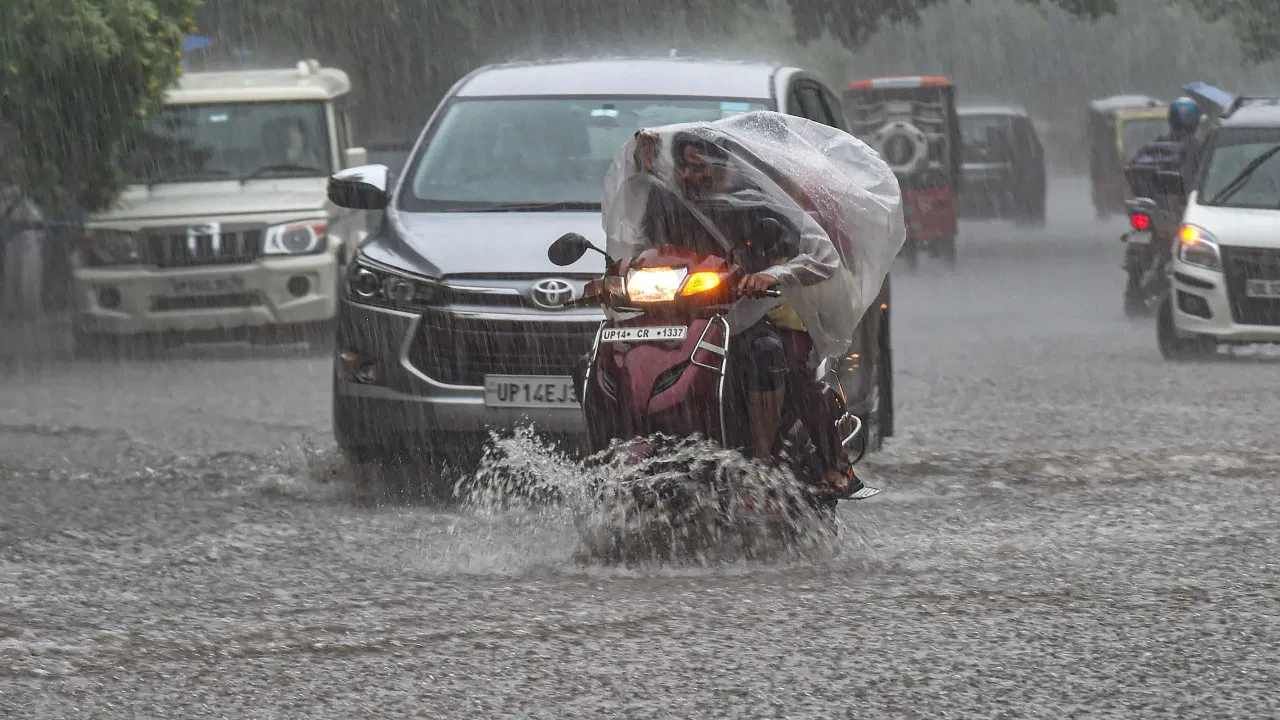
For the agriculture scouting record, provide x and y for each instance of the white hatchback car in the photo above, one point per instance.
(1225, 271)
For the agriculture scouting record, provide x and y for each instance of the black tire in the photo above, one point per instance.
(884, 366)
(911, 253)
(947, 251)
(1175, 348)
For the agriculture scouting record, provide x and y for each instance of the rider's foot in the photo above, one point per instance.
(845, 486)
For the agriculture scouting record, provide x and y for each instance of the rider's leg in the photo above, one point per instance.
(765, 408)
(764, 360)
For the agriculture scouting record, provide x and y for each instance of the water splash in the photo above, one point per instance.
(659, 500)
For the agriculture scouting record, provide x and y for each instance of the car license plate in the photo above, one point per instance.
(644, 334)
(1262, 288)
(529, 391)
(206, 285)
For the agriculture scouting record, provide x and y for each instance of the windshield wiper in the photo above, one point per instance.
(533, 207)
(1239, 181)
(292, 168)
(202, 174)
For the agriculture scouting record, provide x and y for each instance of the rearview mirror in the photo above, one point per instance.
(568, 249)
(1170, 183)
(360, 188)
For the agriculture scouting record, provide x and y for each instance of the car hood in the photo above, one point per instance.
(478, 244)
(1245, 227)
(214, 200)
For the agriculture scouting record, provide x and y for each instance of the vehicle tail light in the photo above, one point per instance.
(1140, 221)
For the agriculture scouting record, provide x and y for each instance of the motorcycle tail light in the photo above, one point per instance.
(700, 282)
(1140, 221)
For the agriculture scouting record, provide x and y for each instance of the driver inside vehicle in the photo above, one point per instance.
(715, 209)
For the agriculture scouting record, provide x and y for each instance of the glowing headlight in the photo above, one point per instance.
(646, 285)
(302, 238)
(1197, 247)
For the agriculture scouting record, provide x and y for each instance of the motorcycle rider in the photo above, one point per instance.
(772, 354)
(1176, 151)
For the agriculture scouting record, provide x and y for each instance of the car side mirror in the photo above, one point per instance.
(569, 249)
(360, 188)
(354, 157)
(1170, 182)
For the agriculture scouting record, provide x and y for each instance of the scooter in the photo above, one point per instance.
(660, 370)
(1148, 242)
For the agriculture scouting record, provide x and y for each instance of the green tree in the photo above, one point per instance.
(76, 78)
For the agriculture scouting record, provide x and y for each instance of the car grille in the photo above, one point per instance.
(178, 249)
(1241, 265)
(204, 302)
(461, 351)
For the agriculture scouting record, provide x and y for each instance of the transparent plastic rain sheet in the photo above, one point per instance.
(839, 202)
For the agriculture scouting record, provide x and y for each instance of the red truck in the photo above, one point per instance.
(912, 121)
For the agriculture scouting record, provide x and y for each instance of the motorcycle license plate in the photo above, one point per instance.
(529, 391)
(1262, 288)
(644, 334)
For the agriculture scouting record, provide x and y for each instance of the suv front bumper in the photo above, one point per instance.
(208, 297)
(397, 404)
(1203, 291)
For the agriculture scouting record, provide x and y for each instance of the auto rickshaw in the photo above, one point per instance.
(1117, 127)
(912, 121)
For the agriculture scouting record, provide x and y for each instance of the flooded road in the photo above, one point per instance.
(1070, 527)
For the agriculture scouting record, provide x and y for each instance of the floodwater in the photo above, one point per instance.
(1071, 527)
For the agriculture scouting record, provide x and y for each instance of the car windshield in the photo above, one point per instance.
(1136, 132)
(231, 141)
(501, 154)
(1243, 169)
(986, 138)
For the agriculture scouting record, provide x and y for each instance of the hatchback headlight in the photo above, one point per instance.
(1197, 247)
(101, 246)
(378, 286)
(646, 285)
(301, 238)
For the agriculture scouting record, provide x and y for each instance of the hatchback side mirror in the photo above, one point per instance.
(360, 188)
(569, 249)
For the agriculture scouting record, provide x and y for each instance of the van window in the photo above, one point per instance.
(1243, 169)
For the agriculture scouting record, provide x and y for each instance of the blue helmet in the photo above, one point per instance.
(1184, 115)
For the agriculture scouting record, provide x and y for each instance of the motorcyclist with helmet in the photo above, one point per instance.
(1176, 151)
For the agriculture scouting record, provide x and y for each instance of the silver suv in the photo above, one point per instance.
(453, 320)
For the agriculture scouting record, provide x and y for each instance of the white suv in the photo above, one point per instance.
(1225, 272)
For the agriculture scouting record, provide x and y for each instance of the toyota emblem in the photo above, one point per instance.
(552, 293)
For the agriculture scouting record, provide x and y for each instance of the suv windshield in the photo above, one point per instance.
(1243, 169)
(501, 154)
(231, 141)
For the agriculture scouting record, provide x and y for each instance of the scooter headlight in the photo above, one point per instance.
(1197, 247)
(648, 285)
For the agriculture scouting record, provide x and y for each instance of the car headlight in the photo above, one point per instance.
(101, 246)
(301, 238)
(378, 286)
(646, 285)
(1197, 247)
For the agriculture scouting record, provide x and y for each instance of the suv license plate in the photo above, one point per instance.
(1262, 288)
(529, 391)
(644, 334)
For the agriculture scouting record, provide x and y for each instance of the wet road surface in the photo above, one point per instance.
(1071, 528)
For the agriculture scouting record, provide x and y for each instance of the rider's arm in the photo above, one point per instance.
(813, 257)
